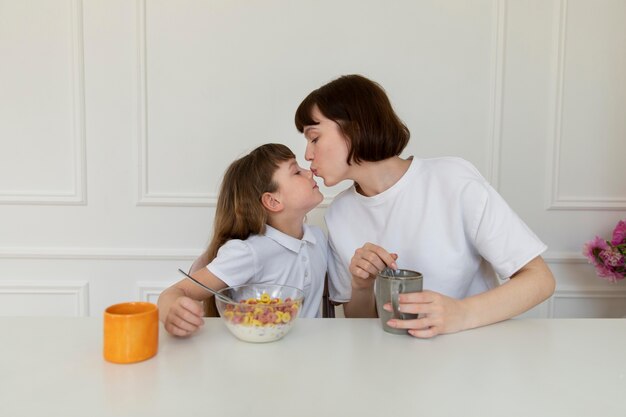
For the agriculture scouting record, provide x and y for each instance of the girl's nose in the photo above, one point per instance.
(308, 173)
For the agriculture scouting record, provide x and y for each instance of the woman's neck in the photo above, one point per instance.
(373, 178)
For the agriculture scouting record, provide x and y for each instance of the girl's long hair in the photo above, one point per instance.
(239, 211)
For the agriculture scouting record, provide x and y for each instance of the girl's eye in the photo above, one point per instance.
(314, 140)
(298, 172)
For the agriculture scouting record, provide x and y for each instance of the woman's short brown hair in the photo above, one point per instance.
(362, 110)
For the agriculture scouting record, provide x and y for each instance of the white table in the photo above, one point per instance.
(334, 367)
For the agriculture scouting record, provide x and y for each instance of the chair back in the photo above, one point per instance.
(328, 307)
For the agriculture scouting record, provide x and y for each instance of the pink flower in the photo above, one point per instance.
(606, 257)
(611, 257)
(593, 247)
(609, 274)
(619, 234)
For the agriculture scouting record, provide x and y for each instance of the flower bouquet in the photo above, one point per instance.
(608, 257)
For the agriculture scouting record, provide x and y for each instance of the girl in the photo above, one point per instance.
(437, 216)
(259, 237)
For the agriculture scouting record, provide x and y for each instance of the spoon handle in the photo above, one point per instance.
(211, 290)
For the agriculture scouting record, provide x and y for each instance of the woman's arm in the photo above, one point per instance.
(364, 265)
(362, 304)
(439, 314)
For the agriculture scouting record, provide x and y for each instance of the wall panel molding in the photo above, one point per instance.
(596, 290)
(146, 197)
(498, 51)
(110, 254)
(585, 293)
(564, 258)
(556, 201)
(150, 291)
(78, 195)
(79, 290)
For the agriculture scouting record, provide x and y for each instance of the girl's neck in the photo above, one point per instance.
(373, 178)
(292, 226)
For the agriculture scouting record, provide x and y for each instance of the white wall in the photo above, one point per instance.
(118, 118)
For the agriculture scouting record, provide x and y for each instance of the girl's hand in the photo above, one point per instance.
(368, 261)
(438, 314)
(184, 317)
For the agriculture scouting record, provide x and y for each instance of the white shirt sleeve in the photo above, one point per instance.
(339, 277)
(234, 264)
(501, 236)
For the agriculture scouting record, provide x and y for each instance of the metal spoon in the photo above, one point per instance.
(211, 290)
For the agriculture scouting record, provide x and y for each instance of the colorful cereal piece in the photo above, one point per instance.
(262, 312)
(286, 317)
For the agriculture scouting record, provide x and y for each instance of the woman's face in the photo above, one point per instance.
(326, 149)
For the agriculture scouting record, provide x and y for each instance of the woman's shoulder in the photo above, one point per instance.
(449, 172)
(452, 176)
(449, 166)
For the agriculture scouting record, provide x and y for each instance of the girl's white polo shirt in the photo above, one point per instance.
(443, 219)
(277, 258)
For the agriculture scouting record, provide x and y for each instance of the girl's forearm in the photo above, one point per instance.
(166, 299)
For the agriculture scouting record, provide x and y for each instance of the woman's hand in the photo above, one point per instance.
(184, 317)
(438, 314)
(368, 261)
(364, 266)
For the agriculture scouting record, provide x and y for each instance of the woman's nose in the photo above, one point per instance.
(308, 153)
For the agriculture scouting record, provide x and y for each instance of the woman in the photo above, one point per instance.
(437, 216)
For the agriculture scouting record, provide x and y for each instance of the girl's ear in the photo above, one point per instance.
(271, 203)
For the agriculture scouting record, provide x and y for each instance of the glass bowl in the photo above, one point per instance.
(262, 312)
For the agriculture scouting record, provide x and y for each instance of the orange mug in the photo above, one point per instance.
(131, 332)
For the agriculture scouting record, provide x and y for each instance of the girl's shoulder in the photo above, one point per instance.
(238, 246)
(313, 228)
(317, 232)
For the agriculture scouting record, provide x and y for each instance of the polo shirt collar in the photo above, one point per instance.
(287, 241)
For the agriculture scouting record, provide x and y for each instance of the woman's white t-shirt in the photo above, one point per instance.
(443, 219)
(277, 258)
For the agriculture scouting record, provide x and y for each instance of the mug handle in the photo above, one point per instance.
(395, 292)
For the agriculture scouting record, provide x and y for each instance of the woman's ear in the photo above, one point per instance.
(271, 203)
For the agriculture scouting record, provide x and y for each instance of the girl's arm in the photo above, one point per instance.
(180, 307)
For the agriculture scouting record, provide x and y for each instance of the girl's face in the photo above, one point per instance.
(296, 187)
(326, 149)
